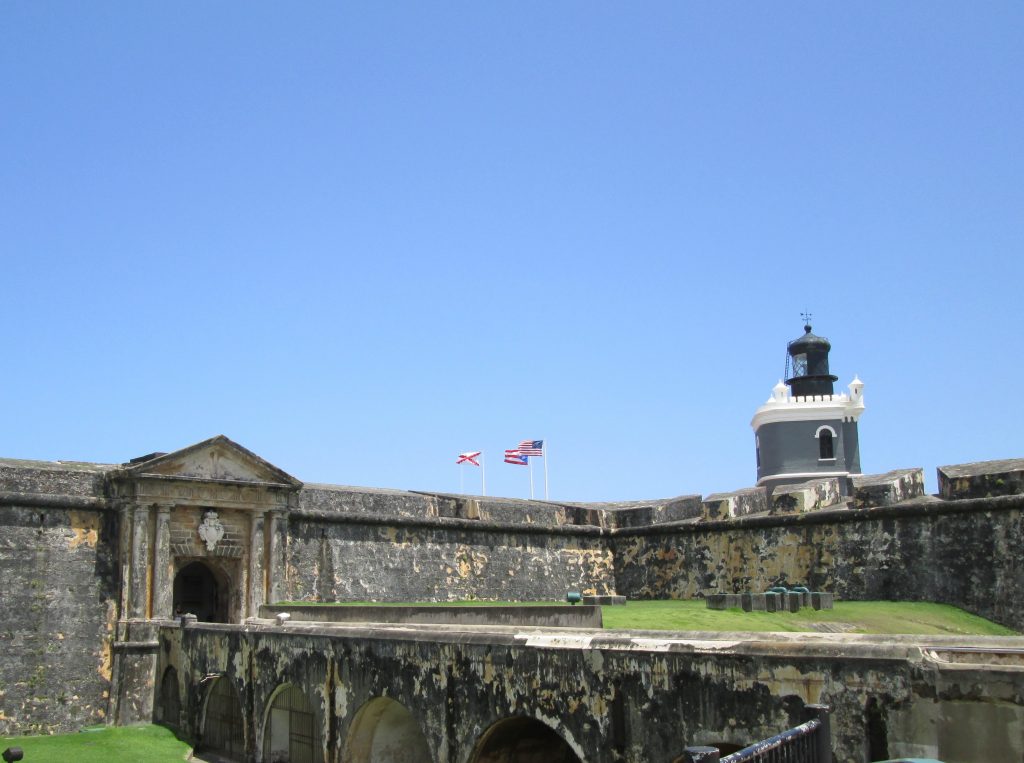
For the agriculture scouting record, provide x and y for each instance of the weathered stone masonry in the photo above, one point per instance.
(90, 555)
(58, 575)
(965, 552)
(611, 697)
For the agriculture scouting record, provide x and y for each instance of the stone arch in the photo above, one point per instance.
(291, 728)
(203, 590)
(384, 731)
(222, 728)
(522, 740)
(168, 709)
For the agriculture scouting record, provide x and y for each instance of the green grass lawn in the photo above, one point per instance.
(919, 618)
(139, 744)
(852, 616)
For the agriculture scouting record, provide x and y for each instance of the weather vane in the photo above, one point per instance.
(807, 317)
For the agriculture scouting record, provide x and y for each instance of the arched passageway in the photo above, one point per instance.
(522, 740)
(168, 710)
(291, 733)
(384, 731)
(223, 730)
(198, 590)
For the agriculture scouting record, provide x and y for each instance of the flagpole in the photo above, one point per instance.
(483, 476)
(461, 475)
(544, 453)
(528, 461)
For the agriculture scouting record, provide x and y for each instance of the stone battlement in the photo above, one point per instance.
(38, 483)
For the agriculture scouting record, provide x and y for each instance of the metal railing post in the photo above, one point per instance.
(700, 755)
(823, 739)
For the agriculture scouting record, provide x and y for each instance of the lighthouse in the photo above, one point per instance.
(805, 430)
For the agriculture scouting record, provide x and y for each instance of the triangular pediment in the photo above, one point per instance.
(216, 459)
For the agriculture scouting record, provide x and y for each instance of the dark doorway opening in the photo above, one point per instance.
(168, 711)
(223, 728)
(197, 590)
(522, 740)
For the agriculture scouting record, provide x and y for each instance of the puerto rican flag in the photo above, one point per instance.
(531, 448)
(469, 458)
(513, 456)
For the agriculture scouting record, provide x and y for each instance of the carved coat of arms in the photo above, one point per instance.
(211, 530)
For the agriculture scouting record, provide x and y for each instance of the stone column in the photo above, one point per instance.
(275, 558)
(126, 559)
(163, 583)
(139, 606)
(257, 550)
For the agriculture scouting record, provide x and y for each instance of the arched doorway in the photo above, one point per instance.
(384, 731)
(522, 740)
(198, 590)
(291, 733)
(169, 710)
(223, 730)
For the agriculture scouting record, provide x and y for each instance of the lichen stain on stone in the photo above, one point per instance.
(787, 681)
(488, 669)
(85, 528)
(469, 562)
(104, 653)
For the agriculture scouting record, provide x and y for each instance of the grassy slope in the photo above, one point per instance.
(693, 615)
(139, 744)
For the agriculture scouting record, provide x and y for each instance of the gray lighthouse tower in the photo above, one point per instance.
(805, 430)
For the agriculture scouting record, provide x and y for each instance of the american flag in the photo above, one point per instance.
(469, 458)
(531, 448)
(513, 456)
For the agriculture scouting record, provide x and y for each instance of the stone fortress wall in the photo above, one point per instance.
(64, 557)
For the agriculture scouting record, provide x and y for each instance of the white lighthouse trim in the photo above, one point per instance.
(783, 406)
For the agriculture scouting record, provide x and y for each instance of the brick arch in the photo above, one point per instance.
(521, 739)
(384, 729)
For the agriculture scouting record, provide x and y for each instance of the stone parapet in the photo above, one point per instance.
(753, 500)
(643, 513)
(983, 479)
(559, 616)
(887, 489)
(58, 478)
(806, 496)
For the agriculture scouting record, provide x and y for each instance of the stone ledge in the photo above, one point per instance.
(558, 615)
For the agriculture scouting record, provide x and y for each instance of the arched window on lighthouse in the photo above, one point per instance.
(826, 445)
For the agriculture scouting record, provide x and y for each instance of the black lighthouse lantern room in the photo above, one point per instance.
(808, 360)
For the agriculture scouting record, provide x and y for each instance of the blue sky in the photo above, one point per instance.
(360, 238)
